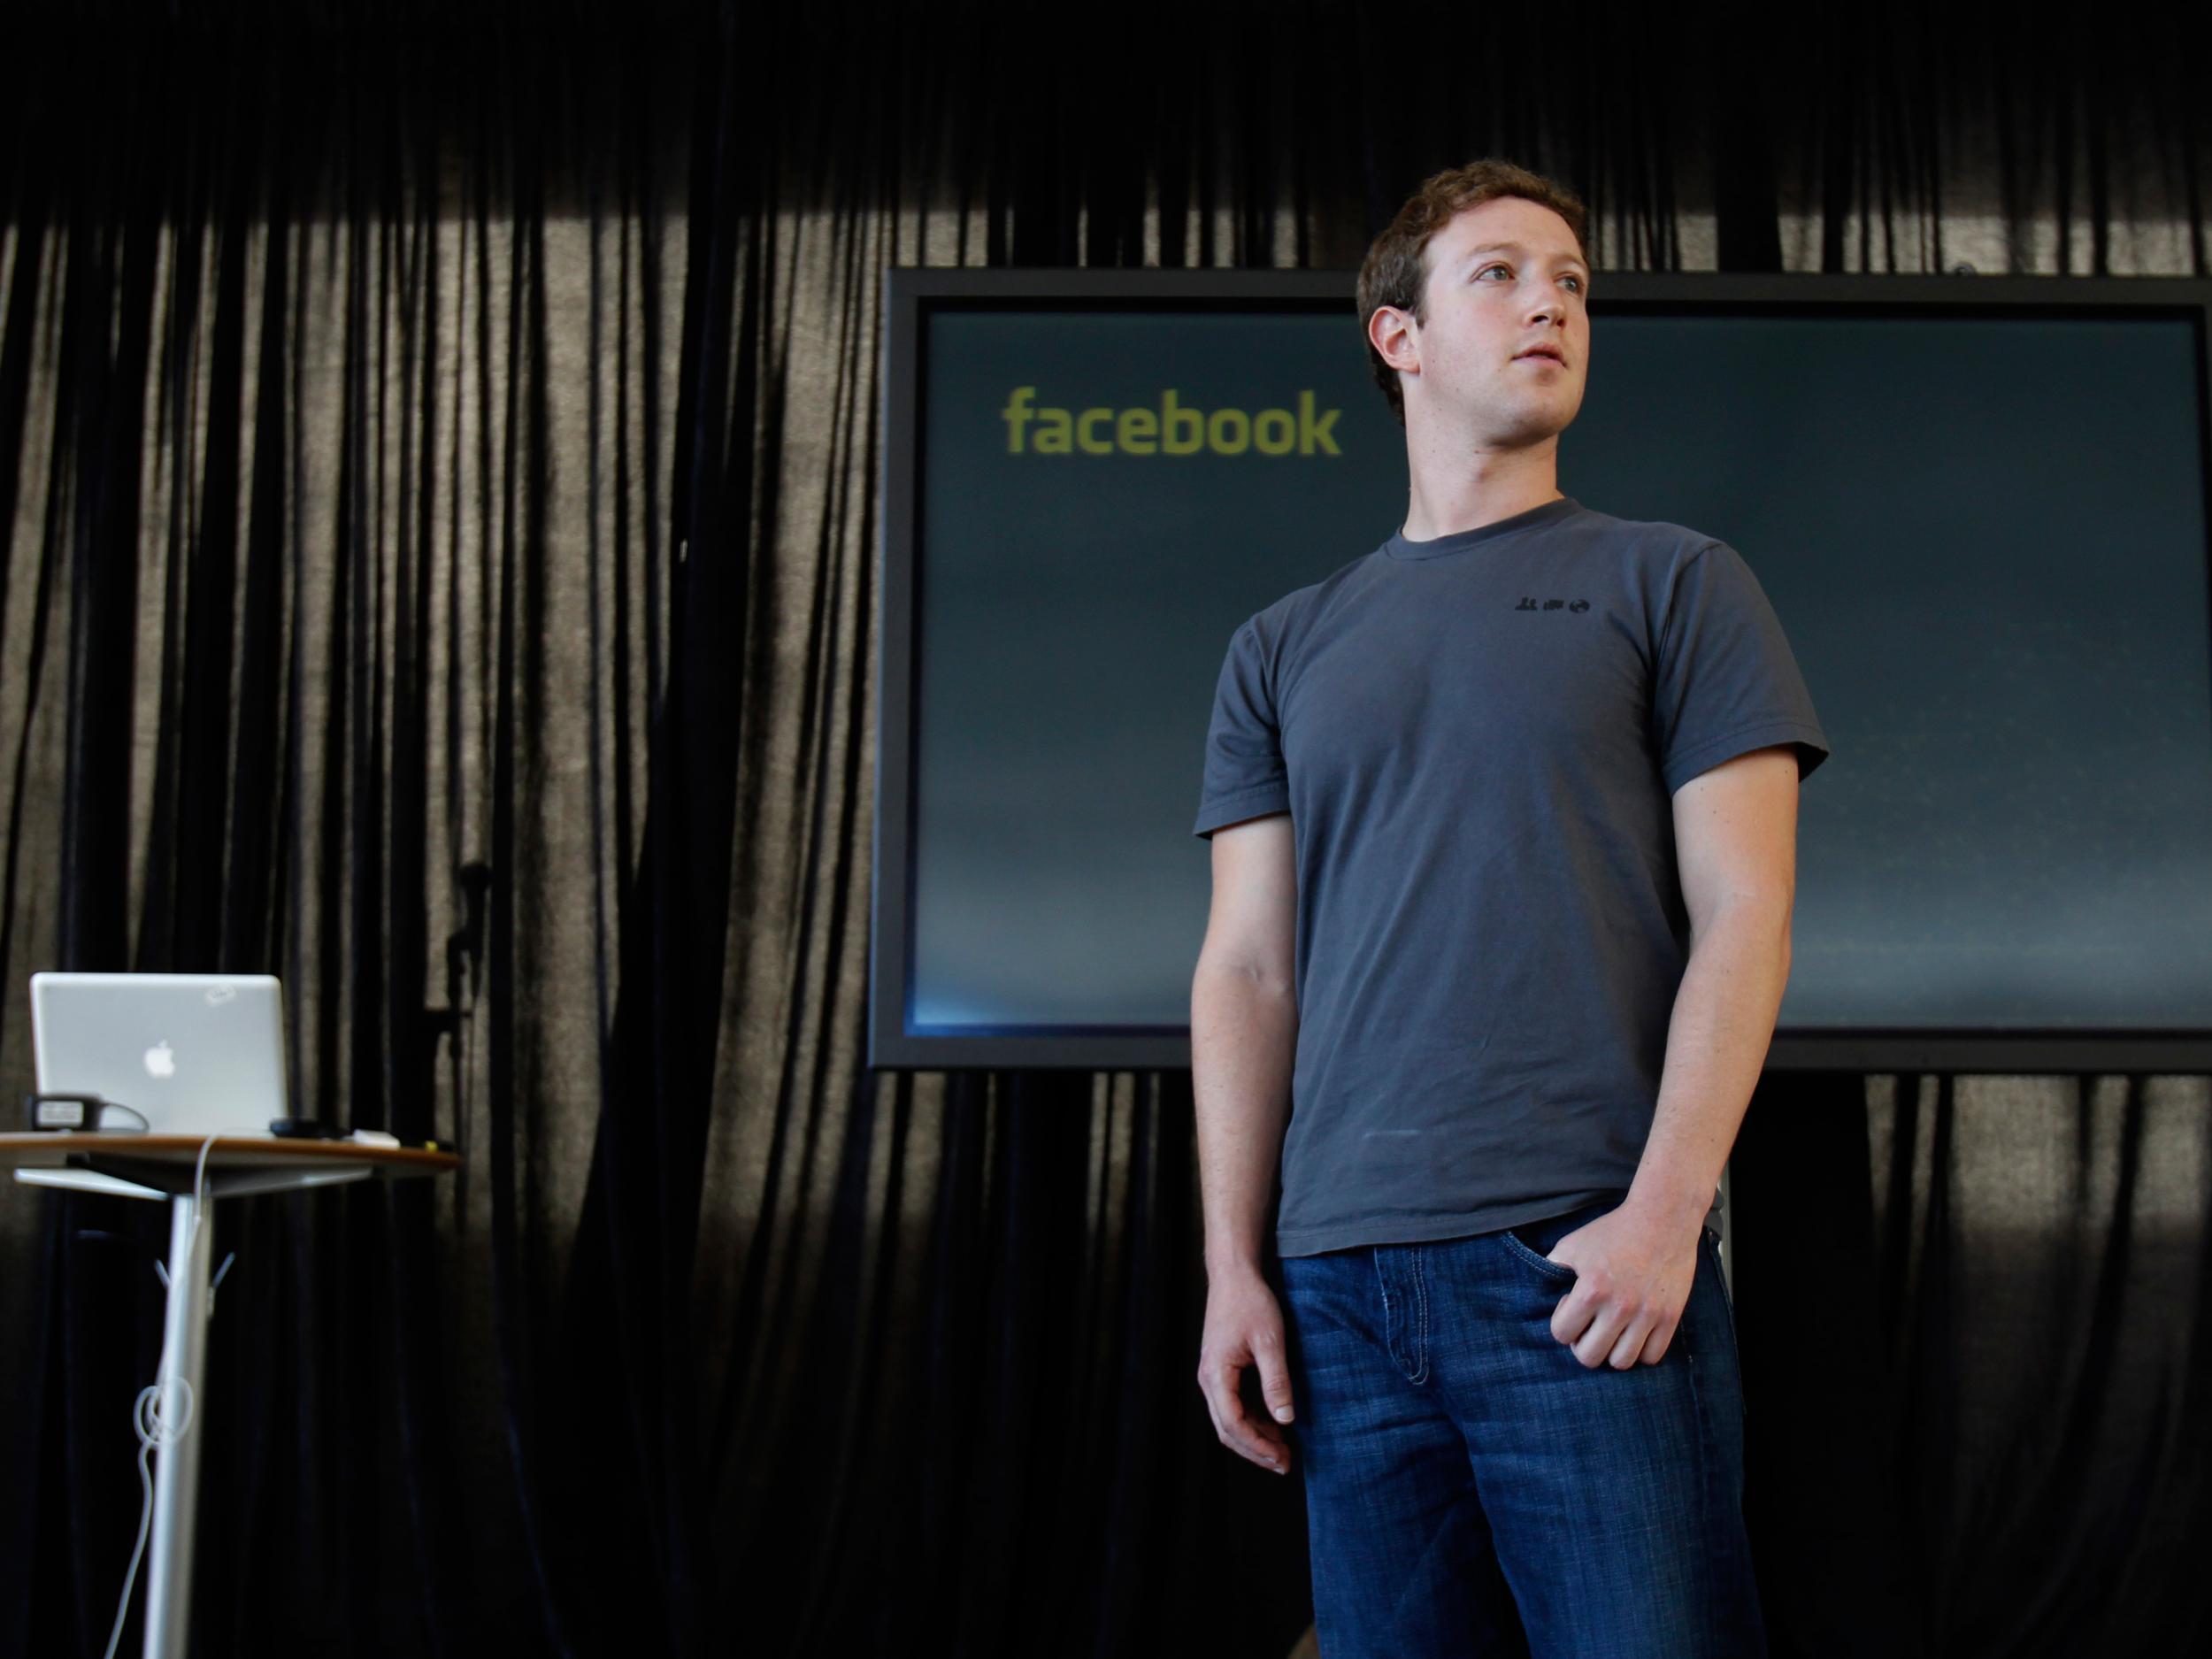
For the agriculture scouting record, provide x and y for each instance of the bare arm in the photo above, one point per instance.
(1736, 848)
(1244, 1028)
(1735, 843)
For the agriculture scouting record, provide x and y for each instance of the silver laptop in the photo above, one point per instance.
(192, 1054)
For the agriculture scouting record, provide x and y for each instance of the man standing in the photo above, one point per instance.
(1503, 821)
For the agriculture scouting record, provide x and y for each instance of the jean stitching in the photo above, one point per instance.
(1727, 1301)
(1421, 1346)
(1382, 1284)
(1721, 1272)
(1708, 1472)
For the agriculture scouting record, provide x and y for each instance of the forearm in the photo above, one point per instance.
(1244, 1035)
(1717, 1045)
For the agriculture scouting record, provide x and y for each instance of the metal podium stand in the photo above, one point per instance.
(165, 1166)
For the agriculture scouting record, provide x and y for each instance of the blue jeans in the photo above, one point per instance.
(1472, 1488)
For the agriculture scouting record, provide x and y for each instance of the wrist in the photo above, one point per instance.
(1234, 1262)
(1674, 1209)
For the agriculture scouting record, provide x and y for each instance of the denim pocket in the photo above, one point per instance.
(1542, 1265)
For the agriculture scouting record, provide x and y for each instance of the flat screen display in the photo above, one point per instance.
(1983, 527)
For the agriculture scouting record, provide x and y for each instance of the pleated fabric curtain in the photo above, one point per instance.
(439, 452)
(343, 602)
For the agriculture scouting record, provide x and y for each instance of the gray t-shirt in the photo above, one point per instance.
(1476, 738)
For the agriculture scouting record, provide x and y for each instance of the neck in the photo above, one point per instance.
(1460, 486)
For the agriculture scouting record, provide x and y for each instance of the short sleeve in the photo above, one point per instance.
(1726, 680)
(1245, 776)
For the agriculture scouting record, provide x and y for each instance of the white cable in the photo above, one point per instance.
(148, 1419)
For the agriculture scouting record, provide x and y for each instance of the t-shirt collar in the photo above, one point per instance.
(1544, 513)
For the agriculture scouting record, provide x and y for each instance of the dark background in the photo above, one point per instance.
(441, 450)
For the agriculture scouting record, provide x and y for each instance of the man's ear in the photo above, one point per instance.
(1390, 330)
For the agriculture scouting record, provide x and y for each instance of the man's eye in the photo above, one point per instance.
(1487, 269)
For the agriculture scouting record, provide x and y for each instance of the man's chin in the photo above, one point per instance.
(1532, 421)
(1538, 425)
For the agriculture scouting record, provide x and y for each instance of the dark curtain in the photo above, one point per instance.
(438, 453)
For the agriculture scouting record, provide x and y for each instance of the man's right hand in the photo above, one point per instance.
(1244, 1327)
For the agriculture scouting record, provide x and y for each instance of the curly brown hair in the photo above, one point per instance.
(1396, 271)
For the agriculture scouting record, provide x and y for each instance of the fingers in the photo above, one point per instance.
(1267, 1349)
(1253, 1439)
(1572, 1319)
(1640, 1339)
(1632, 1344)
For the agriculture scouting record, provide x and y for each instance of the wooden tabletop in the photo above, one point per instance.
(56, 1151)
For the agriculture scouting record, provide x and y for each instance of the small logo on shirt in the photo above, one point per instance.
(1552, 604)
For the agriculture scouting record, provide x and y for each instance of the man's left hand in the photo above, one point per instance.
(1634, 1271)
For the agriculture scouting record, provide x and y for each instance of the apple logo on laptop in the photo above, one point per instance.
(161, 1061)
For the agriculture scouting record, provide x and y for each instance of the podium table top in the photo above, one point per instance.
(55, 1150)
